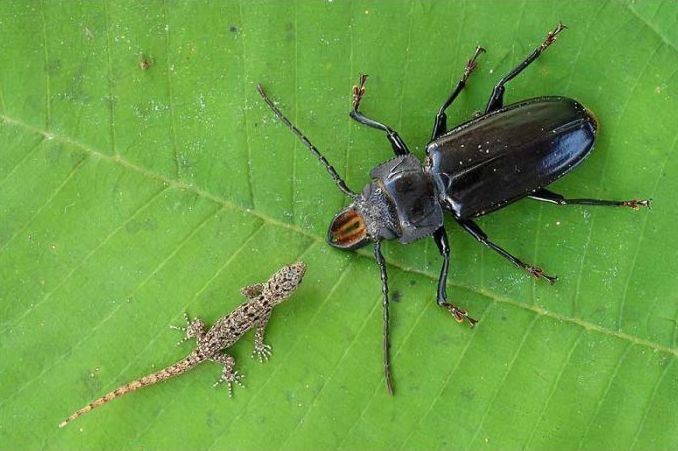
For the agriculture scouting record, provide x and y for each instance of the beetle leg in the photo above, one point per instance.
(440, 124)
(384, 289)
(440, 237)
(399, 146)
(545, 195)
(477, 233)
(497, 98)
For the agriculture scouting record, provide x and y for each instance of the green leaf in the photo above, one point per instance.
(142, 177)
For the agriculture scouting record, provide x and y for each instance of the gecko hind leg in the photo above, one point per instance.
(229, 375)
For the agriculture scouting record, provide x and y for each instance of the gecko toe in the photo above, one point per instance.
(263, 352)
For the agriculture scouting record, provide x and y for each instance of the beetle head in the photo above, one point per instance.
(348, 229)
(371, 216)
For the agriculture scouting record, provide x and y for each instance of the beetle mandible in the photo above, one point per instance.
(502, 155)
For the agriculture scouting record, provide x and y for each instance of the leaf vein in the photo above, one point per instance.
(641, 237)
(349, 141)
(601, 183)
(248, 144)
(585, 34)
(603, 397)
(48, 81)
(406, 65)
(553, 389)
(358, 333)
(650, 403)
(30, 152)
(622, 303)
(170, 101)
(649, 26)
(2, 97)
(446, 383)
(379, 386)
(49, 200)
(587, 325)
(29, 310)
(296, 116)
(527, 332)
(48, 295)
(111, 98)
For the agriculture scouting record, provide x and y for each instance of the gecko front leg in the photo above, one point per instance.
(194, 329)
(252, 291)
(229, 375)
(261, 349)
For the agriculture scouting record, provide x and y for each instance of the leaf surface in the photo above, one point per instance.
(142, 177)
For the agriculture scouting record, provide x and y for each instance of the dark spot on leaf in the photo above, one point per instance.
(290, 32)
(413, 282)
(75, 91)
(109, 101)
(147, 225)
(54, 153)
(145, 62)
(291, 398)
(233, 29)
(396, 296)
(468, 394)
(77, 158)
(54, 67)
(443, 339)
(91, 380)
(185, 163)
(503, 318)
(212, 420)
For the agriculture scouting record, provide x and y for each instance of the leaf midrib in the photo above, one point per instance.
(650, 27)
(494, 297)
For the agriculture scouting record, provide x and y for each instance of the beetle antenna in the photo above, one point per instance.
(384, 290)
(305, 141)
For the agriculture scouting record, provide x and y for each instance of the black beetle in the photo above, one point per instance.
(503, 155)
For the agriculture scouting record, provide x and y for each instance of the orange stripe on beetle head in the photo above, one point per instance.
(353, 222)
(348, 229)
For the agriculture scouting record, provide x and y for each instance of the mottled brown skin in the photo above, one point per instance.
(224, 333)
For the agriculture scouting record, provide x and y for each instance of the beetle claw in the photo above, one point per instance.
(472, 63)
(538, 273)
(551, 36)
(460, 315)
(637, 203)
(359, 91)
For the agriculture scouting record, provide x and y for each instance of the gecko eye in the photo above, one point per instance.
(348, 230)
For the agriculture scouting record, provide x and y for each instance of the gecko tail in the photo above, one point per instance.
(134, 385)
(103, 400)
(178, 368)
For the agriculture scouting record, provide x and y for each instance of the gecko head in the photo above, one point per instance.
(283, 283)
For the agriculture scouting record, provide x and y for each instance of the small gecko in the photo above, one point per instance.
(261, 298)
